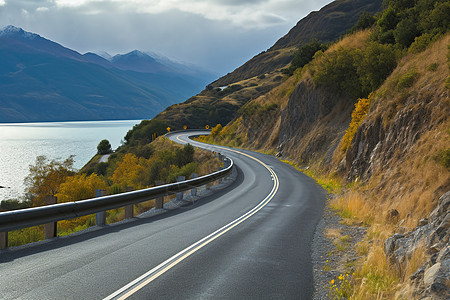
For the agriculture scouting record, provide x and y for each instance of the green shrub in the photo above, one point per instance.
(145, 132)
(421, 43)
(25, 236)
(443, 158)
(338, 71)
(270, 107)
(304, 55)
(365, 20)
(433, 67)
(185, 155)
(407, 79)
(100, 168)
(377, 62)
(11, 204)
(405, 32)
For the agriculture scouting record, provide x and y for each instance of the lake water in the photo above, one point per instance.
(20, 143)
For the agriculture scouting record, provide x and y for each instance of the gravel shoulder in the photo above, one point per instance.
(333, 251)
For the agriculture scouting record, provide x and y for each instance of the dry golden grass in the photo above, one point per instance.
(356, 40)
(333, 233)
(418, 258)
(354, 208)
(375, 279)
(428, 87)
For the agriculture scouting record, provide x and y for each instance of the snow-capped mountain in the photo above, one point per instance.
(41, 80)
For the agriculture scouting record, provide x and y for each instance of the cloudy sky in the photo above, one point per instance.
(216, 34)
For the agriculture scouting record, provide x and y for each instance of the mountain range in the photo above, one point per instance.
(40, 80)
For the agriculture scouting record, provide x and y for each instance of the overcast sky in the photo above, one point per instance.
(216, 34)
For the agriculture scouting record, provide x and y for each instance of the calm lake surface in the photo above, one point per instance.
(20, 143)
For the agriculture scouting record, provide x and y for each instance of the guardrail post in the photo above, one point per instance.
(50, 229)
(194, 190)
(221, 178)
(3, 240)
(159, 202)
(226, 162)
(100, 217)
(129, 209)
(180, 194)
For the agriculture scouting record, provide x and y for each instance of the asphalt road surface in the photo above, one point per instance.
(250, 240)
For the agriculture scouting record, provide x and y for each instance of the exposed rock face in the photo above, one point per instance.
(314, 118)
(432, 280)
(374, 146)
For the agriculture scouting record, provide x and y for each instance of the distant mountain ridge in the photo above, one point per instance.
(326, 25)
(216, 105)
(41, 80)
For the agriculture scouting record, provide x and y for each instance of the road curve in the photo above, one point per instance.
(249, 240)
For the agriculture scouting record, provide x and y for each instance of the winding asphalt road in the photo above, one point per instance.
(250, 240)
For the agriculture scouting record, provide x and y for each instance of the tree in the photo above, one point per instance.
(128, 171)
(366, 20)
(79, 187)
(358, 115)
(388, 19)
(405, 32)
(104, 147)
(337, 70)
(185, 155)
(216, 130)
(304, 55)
(376, 63)
(45, 177)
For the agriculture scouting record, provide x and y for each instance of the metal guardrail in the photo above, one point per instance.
(22, 218)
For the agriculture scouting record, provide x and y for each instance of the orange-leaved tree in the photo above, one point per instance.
(358, 115)
(45, 177)
(128, 171)
(80, 187)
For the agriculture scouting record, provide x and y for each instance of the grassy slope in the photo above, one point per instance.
(408, 175)
(211, 108)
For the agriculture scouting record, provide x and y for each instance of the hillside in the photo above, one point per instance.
(41, 80)
(216, 104)
(369, 118)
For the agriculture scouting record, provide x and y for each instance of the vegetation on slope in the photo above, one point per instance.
(136, 165)
(220, 101)
(388, 150)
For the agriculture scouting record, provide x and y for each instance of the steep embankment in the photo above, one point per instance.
(371, 113)
(405, 128)
(218, 104)
(390, 153)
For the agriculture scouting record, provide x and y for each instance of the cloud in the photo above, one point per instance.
(216, 34)
(72, 3)
(2, 2)
(240, 13)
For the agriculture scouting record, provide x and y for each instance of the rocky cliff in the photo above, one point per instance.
(432, 279)
(397, 160)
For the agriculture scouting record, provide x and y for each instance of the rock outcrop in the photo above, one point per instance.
(374, 145)
(431, 280)
(313, 122)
